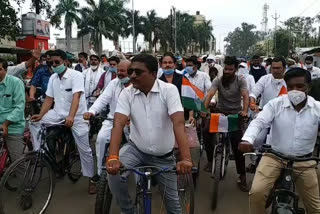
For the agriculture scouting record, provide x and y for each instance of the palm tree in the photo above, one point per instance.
(138, 24)
(68, 9)
(152, 29)
(203, 35)
(104, 19)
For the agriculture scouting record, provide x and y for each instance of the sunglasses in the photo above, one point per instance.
(138, 72)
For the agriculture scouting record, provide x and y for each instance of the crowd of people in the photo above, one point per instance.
(144, 95)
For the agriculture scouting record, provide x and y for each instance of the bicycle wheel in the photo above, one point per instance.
(33, 184)
(140, 209)
(217, 167)
(104, 196)
(74, 167)
(186, 193)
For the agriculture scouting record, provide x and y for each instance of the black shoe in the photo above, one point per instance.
(25, 202)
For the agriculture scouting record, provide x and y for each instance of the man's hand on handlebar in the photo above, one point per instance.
(245, 147)
(113, 166)
(243, 113)
(36, 118)
(88, 115)
(184, 167)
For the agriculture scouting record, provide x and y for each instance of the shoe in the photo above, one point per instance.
(208, 167)
(25, 202)
(92, 188)
(242, 184)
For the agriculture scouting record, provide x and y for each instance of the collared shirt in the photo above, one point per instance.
(41, 78)
(315, 73)
(292, 132)
(177, 80)
(105, 79)
(12, 103)
(151, 128)
(62, 91)
(108, 97)
(91, 80)
(201, 80)
(17, 70)
(268, 87)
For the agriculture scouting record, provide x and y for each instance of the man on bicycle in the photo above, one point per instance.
(66, 90)
(294, 121)
(12, 103)
(231, 89)
(109, 97)
(156, 122)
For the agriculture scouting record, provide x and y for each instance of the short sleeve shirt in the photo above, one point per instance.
(41, 79)
(230, 97)
(62, 91)
(151, 128)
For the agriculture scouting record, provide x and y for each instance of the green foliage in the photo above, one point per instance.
(282, 40)
(9, 27)
(40, 6)
(241, 39)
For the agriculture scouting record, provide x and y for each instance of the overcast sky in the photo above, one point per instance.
(225, 14)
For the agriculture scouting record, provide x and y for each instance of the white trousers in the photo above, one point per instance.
(80, 132)
(104, 137)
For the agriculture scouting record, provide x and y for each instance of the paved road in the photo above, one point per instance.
(73, 198)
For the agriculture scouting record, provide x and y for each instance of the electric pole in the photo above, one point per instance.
(133, 30)
(276, 17)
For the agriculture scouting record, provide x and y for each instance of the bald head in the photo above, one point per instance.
(123, 68)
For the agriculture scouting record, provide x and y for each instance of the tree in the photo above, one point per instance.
(239, 41)
(68, 9)
(281, 40)
(138, 24)
(9, 27)
(185, 31)
(203, 33)
(40, 6)
(152, 28)
(107, 18)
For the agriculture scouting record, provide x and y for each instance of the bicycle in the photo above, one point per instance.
(33, 174)
(4, 155)
(221, 156)
(143, 201)
(282, 198)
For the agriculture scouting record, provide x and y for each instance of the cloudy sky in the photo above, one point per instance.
(225, 14)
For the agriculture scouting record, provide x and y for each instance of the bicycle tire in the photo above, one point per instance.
(73, 170)
(28, 157)
(104, 196)
(216, 179)
(139, 204)
(186, 187)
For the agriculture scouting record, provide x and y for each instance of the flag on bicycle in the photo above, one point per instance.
(192, 96)
(222, 123)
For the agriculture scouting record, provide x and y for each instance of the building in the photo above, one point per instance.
(199, 19)
(78, 45)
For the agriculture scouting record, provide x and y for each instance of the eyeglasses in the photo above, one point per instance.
(138, 72)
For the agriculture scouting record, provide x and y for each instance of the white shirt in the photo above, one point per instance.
(107, 79)
(151, 128)
(200, 80)
(315, 73)
(108, 97)
(268, 88)
(91, 80)
(62, 92)
(205, 68)
(292, 132)
(17, 70)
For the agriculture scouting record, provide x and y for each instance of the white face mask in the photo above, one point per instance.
(309, 66)
(94, 67)
(256, 67)
(296, 97)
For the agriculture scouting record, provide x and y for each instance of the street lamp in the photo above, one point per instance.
(133, 30)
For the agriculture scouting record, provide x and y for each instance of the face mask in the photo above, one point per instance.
(125, 80)
(242, 72)
(94, 67)
(114, 70)
(309, 66)
(168, 72)
(296, 97)
(59, 69)
(189, 70)
(256, 67)
(44, 63)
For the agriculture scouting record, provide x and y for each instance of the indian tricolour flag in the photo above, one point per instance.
(192, 96)
(222, 123)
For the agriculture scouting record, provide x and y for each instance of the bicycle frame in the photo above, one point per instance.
(4, 154)
(219, 148)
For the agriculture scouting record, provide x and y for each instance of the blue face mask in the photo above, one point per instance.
(125, 80)
(59, 69)
(189, 70)
(168, 72)
(114, 70)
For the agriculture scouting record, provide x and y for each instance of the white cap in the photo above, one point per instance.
(244, 65)
(211, 57)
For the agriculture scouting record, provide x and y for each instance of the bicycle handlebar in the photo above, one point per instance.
(268, 149)
(151, 173)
